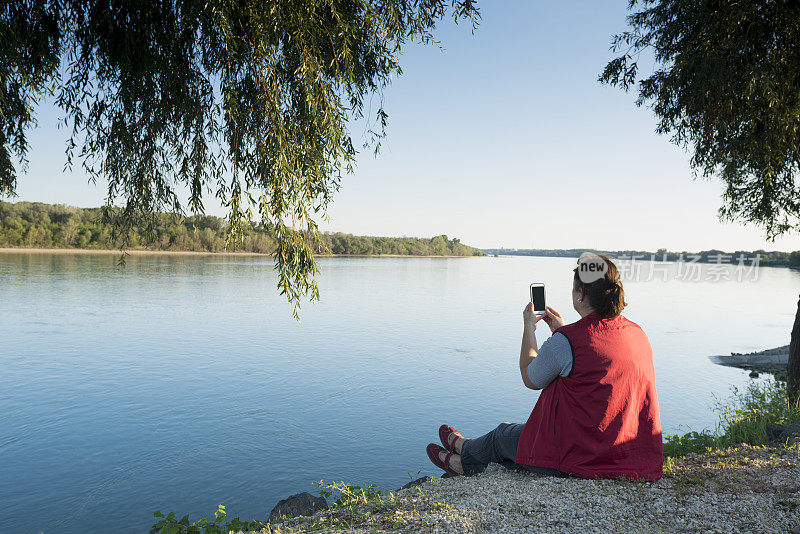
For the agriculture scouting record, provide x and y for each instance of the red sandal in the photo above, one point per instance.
(433, 451)
(444, 433)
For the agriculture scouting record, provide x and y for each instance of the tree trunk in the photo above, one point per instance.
(793, 372)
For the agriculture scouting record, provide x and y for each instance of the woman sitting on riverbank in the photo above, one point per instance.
(597, 416)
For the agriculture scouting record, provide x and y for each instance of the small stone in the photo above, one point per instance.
(416, 482)
(297, 505)
(774, 430)
(789, 431)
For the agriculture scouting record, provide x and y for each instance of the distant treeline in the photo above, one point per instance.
(772, 258)
(38, 225)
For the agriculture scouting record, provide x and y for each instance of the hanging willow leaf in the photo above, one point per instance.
(247, 100)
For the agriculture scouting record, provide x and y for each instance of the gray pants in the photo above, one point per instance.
(498, 446)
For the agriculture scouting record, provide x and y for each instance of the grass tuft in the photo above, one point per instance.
(743, 418)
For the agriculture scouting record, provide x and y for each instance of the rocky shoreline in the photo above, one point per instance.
(740, 489)
(774, 361)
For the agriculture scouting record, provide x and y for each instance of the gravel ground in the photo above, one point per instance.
(742, 489)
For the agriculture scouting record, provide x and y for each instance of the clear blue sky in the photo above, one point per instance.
(503, 139)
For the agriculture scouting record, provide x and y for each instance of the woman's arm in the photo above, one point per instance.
(529, 348)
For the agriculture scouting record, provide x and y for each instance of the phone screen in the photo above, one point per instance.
(537, 297)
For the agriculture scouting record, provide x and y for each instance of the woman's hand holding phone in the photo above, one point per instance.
(530, 318)
(553, 319)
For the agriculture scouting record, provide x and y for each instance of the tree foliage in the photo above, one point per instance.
(37, 225)
(248, 100)
(726, 85)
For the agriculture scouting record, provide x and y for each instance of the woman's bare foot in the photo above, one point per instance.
(455, 462)
(455, 445)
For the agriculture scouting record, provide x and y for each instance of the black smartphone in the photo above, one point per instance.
(537, 297)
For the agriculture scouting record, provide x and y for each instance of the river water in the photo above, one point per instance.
(178, 383)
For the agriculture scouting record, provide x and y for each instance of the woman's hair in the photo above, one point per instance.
(605, 295)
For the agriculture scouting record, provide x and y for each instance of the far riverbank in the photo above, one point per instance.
(764, 258)
(150, 252)
(47, 226)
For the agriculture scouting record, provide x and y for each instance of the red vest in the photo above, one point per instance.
(602, 420)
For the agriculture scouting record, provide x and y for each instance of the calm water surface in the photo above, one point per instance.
(182, 382)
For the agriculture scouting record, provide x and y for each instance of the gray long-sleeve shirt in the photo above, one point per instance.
(554, 359)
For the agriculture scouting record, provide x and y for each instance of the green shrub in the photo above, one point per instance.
(681, 445)
(169, 525)
(351, 505)
(743, 418)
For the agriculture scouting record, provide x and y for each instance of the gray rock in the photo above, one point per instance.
(773, 431)
(296, 505)
(781, 433)
(416, 482)
(772, 361)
